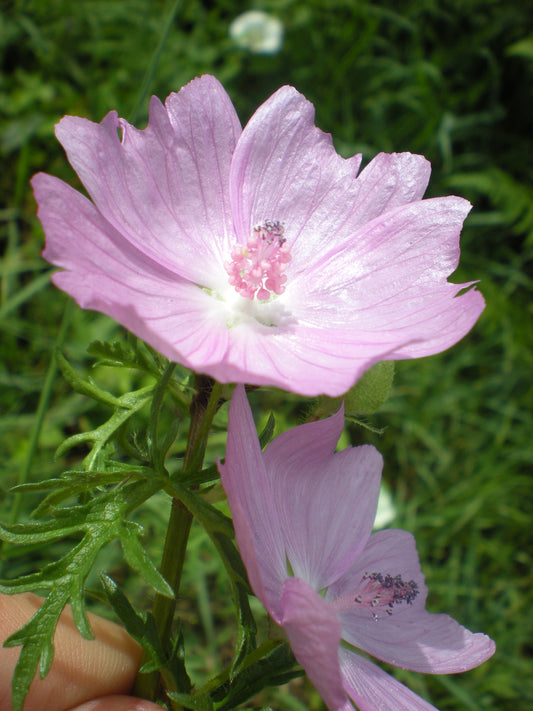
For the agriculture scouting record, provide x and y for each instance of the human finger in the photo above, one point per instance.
(81, 670)
(117, 703)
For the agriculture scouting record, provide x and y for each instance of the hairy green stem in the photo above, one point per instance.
(203, 409)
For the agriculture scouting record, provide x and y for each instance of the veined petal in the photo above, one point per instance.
(388, 181)
(106, 273)
(164, 188)
(322, 539)
(77, 236)
(207, 130)
(249, 488)
(420, 240)
(391, 279)
(314, 635)
(410, 637)
(372, 689)
(308, 360)
(285, 168)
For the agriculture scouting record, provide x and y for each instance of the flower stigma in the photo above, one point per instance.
(256, 270)
(378, 592)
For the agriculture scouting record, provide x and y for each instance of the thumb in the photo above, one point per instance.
(82, 669)
(117, 703)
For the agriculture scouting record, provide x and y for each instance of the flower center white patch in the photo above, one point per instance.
(256, 270)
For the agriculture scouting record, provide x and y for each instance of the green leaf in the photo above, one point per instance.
(85, 387)
(36, 638)
(123, 355)
(209, 517)
(176, 665)
(247, 629)
(128, 404)
(193, 478)
(274, 669)
(366, 397)
(142, 629)
(196, 702)
(158, 452)
(68, 521)
(138, 559)
(268, 431)
(101, 521)
(522, 48)
(75, 482)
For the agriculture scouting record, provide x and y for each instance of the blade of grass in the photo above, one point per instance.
(155, 61)
(44, 399)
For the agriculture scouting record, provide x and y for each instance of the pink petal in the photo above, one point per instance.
(314, 635)
(249, 489)
(307, 360)
(410, 637)
(388, 181)
(372, 689)
(391, 280)
(108, 274)
(164, 188)
(322, 538)
(285, 168)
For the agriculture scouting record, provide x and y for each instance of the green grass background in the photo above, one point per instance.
(450, 79)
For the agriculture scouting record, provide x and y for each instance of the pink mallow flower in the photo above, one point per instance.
(303, 517)
(255, 255)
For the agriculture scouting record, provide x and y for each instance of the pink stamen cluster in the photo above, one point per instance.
(384, 591)
(257, 269)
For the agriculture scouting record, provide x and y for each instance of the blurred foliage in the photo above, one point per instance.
(449, 79)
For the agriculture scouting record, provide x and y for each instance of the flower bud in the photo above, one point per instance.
(364, 398)
(371, 390)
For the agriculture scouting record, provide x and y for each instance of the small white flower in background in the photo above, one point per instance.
(257, 31)
(386, 512)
